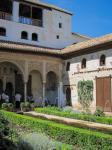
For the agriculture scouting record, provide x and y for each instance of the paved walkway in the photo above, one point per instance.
(72, 122)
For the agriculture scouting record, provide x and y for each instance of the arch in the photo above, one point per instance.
(68, 96)
(83, 63)
(52, 88)
(102, 60)
(16, 64)
(34, 37)
(2, 31)
(24, 35)
(35, 85)
(53, 71)
(13, 80)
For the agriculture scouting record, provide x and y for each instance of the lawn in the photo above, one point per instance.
(70, 114)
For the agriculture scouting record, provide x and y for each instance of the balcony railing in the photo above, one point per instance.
(5, 16)
(30, 21)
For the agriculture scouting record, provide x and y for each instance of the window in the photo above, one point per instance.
(57, 36)
(24, 10)
(34, 37)
(102, 60)
(83, 64)
(24, 35)
(60, 25)
(36, 13)
(6, 6)
(2, 32)
(68, 66)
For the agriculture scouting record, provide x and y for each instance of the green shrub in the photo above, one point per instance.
(63, 133)
(99, 112)
(68, 114)
(85, 93)
(4, 106)
(36, 141)
(8, 106)
(27, 106)
(4, 128)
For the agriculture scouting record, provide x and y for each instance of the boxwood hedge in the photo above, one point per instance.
(63, 133)
(86, 117)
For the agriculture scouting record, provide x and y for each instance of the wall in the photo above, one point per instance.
(92, 70)
(50, 29)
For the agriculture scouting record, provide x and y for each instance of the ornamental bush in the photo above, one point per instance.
(85, 93)
(4, 128)
(63, 133)
(27, 106)
(8, 106)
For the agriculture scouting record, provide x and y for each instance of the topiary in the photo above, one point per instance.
(99, 112)
(5, 106)
(10, 107)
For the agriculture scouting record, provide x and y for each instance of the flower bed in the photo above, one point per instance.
(63, 133)
(68, 114)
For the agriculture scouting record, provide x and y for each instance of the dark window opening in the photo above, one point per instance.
(24, 35)
(36, 13)
(34, 37)
(68, 66)
(60, 25)
(24, 10)
(57, 36)
(2, 32)
(30, 15)
(102, 60)
(83, 65)
(6, 6)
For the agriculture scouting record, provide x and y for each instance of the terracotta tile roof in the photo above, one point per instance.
(87, 44)
(28, 48)
(79, 47)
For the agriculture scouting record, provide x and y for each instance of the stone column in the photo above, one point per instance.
(15, 12)
(4, 83)
(25, 91)
(60, 94)
(44, 83)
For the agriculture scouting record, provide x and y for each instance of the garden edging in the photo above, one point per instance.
(72, 122)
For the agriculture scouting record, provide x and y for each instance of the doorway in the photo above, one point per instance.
(103, 93)
(68, 96)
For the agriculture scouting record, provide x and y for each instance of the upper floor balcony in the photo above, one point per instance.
(5, 16)
(30, 21)
(25, 13)
(6, 9)
(30, 15)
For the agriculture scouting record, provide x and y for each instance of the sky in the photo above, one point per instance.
(91, 17)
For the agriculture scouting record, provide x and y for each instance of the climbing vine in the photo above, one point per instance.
(85, 93)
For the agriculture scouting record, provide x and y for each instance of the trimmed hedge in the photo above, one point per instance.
(63, 133)
(59, 112)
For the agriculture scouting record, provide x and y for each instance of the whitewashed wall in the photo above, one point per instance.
(47, 34)
(77, 74)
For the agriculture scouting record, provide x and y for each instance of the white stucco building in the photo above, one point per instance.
(40, 56)
(41, 22)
